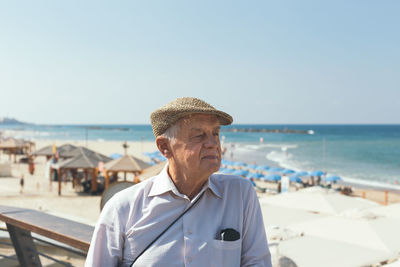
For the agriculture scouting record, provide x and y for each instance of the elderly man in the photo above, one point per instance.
(186, 215)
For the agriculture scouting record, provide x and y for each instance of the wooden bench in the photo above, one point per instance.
(21, 222)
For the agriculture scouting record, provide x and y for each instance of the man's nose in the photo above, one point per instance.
(212, 141)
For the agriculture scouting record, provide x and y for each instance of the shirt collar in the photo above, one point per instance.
(163, 183)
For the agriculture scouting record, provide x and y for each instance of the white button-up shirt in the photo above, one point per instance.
(135, 216)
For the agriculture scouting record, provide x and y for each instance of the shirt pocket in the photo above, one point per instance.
(226, 253)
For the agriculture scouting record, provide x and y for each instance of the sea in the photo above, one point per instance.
(361, 154)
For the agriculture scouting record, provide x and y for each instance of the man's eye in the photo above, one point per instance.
(197, 137)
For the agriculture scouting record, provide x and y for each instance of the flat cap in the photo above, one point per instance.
(164, 117)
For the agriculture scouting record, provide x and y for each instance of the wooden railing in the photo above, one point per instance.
(22, 222)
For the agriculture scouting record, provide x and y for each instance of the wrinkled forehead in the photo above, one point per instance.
(199, 121)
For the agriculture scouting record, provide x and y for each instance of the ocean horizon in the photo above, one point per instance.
(359, 153)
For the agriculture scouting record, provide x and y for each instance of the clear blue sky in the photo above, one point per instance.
(261, 61)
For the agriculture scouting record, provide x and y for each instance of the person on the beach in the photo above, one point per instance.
(186, 215)
(21, 183)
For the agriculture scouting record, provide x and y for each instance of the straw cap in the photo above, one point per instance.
(164, 117)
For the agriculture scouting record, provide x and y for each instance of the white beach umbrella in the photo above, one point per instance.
(376, 234)
(391, 211)
(312, 251)
(318, 200)
(274, 215)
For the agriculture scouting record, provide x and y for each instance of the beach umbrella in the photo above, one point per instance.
(83, 158)
(240, 172)
(227, 162)
(115, 155)
(332, 178)
(153, 155)
(272, 177)
(295, 179)
(316, 173)
(287, 171)
(345, 253)
(126, 163)
(222, 170)
(251, 181)
(254, 175)
(252, 166)
(160, 158)
(151, 171)
(49, 150)
(301, 173)
(227, 170)
(262, 168)
(317, 199)
(275, 170)
(240, 164)
(379, 233)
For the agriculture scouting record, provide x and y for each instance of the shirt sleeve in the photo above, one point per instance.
(106, 245)
(255, 251)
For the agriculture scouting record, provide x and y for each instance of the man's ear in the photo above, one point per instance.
(164, 146)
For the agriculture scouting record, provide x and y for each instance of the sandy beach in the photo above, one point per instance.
(39, 194)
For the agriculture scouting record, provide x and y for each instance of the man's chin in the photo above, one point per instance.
(213, 167)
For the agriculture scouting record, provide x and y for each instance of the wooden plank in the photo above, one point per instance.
(75, 234)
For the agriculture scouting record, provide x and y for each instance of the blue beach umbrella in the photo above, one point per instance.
(240, 164)
(226, 162)
(251, 181)
(272, 177)
(251, 166)
(154, 153)
(227, 170)
(332, 178)
(254, 175)
(287, 171)
(147, 153)
(301, 173)
(275, 170)
(262, 168)
(240, 172)
(295, 179)
(160, 158)
(316, 173)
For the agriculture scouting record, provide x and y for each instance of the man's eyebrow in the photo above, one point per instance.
(196, 129)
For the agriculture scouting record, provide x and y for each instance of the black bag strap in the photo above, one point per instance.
(169, 226)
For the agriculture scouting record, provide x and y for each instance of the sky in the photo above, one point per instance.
(266, 62)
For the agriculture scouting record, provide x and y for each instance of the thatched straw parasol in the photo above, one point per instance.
(125, 164)
(48, 150)
(152, 171)
(13, 146)
(85, 159)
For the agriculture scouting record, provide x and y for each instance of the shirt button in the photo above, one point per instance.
(189, 232)
(189, 259)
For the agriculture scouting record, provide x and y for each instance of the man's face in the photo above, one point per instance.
(197, 149)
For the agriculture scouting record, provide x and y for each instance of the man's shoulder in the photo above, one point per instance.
(131, 193)
(225, 180)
